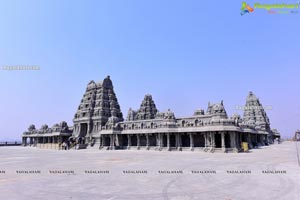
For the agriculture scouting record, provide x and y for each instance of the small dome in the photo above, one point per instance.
(199, 112)
(218, 108)
(169, 115)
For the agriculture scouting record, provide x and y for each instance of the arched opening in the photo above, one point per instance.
(183, 123)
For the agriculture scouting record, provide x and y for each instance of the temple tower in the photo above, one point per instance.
(98, 103)
(147, 109)
(254, 113)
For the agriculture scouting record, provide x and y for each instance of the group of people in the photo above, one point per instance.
(72, 142)
(65, 145)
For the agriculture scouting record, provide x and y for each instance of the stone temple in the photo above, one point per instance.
(99, 124)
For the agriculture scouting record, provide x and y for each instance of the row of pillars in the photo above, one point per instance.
(41, 140)
(209, 139)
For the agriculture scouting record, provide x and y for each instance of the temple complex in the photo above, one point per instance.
(45, 137)
(99, 124)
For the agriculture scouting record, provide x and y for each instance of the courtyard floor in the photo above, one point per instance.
(268, 173)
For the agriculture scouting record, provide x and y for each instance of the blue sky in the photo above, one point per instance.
(184, 53)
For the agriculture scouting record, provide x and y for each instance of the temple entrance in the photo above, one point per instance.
(124, 141)
(83, 129)
(165, 141)
(143, 140)
(133, 140)
(185, 140)
(199, 140)
(106, 141)
(244, 137)
(152, 140)
(172, 141)
(218, 140)
(227, 140)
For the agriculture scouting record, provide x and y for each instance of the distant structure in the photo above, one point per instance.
(297, 136)
(99, 124)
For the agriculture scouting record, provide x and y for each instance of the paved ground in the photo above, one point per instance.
(248, 181)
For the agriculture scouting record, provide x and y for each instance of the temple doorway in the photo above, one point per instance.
(165, 141)
(172, 141)
(143, 140)
(133, 140)
(83, 130)
(152, 140)
(227, 140)
(107, 141)
(218, 140)
(185, 140)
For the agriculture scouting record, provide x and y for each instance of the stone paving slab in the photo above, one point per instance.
(119, 175)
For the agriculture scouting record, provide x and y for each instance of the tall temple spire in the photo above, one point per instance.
(147, 109)
(254, 113)
(98, 103)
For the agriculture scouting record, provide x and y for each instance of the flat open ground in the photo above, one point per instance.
(151, 185)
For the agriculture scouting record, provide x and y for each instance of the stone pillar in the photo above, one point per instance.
(232, 139)
(147, 141)
(30, 141)
(168, 142)
(249, 141)
(205, 140)
(129, 141)
(112, 141)
(191, 142)
(178, 142)
(213, 144)
(79, 130)
(102, 141)
(138, 141)
(88, 135)
(223, 141)
(159, 141)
